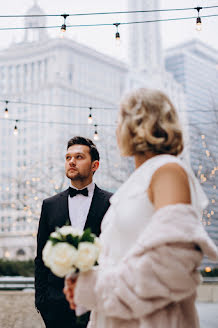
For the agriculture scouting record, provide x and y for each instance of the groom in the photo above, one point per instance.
(83, 204)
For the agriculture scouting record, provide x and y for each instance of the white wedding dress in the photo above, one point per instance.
(119, 232)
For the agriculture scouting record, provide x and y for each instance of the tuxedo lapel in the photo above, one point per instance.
(95, 210)
(64, 209)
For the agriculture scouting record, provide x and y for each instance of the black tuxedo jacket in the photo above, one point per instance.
(49, 297)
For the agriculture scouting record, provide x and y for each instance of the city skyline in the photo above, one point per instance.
(102, 38)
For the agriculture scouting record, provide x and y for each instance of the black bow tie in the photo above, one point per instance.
(73, 192)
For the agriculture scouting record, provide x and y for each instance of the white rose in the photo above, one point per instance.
(46, 253)
(63, 257)
(87, 256)
(55, 235)
(69, 230)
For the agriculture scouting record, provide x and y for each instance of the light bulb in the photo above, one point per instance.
(63, 30)
(7, 254)
(96, 136)
(90, 116)
(90, 119)
(208, 269)
(6, 109)
(198, 24)
(6, 112)
(15, 130)
(64, 26)
(117, 37)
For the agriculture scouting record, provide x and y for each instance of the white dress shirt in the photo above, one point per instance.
(79, 206)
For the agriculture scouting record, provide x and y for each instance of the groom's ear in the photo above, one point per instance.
(95, 166)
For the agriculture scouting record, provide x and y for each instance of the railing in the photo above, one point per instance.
(16, 283)
(20, 283)
(210, 280)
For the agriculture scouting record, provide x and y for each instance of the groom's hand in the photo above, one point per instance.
(69, 291)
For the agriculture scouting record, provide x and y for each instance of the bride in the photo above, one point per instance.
(153, 240)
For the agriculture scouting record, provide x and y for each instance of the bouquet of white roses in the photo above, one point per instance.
(69, 250)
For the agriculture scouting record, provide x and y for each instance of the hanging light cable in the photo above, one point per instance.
(106, 24)
(64, 26)
(198, 20)
(90, 116)
(16, 128)
(117, 35)
(6, 109)
(96, 136)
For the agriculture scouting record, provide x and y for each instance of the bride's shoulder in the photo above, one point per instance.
(170, 170)
(170, 185)
(163, 162)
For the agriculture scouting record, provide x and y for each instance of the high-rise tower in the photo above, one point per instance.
(193, 65)
(145, 46)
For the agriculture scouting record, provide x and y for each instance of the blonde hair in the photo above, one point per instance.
(149, 122)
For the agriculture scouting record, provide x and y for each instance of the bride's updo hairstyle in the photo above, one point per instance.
(149, 122)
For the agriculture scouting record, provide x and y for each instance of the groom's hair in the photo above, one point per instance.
(86, 142)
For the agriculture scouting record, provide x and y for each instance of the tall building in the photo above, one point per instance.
(146, 57)
(145, 44)
(68, 81)
(194, 66)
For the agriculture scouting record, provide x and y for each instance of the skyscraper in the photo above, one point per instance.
(194, 66)
(145, 43)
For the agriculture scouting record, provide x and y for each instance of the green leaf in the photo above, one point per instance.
(54, 240)
(87, 236)
(73, 240)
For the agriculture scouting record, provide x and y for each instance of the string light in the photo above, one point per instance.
(85, 124)
(16, 129)
(90, 116)
(117, 35)
(109, 12)
(60, 105)
(96, 136)
(210, 175)
(6, 109)
(198, 20)
(64, 26)
(107, 24)
(59, 123)
(93, 107)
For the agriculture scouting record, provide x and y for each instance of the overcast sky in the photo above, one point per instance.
(102, 38)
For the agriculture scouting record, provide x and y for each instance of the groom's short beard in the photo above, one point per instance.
(79, 177)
